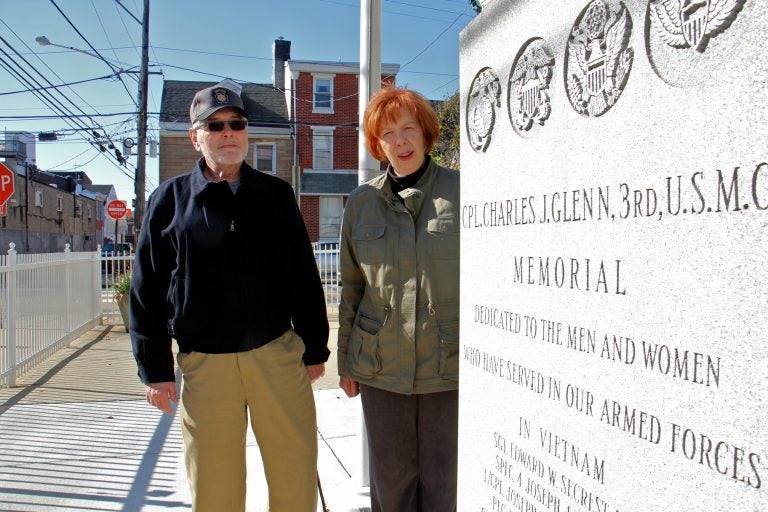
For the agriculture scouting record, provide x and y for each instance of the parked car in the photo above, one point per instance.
(119, 249)
(117, 259)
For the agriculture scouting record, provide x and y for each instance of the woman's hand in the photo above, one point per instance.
(350, 387)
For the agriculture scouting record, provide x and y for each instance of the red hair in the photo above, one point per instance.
(384, 108)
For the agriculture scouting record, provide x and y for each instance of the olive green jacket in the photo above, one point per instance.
(399, 310)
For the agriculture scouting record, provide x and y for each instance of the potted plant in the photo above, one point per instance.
(122, 287)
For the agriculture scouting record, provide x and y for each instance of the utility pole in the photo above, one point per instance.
(367, 167)
(141, 160)
(27, 168)
(370, 80)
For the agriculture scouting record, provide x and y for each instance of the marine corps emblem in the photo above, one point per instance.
(220, 95)
(482, 102)
(598, 58)
(692, 23)
(528, 99)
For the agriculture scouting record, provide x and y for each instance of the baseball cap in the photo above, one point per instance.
(213, 99)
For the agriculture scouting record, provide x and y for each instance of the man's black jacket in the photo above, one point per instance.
(223, 272)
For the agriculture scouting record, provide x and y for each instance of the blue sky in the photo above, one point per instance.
(191, 40)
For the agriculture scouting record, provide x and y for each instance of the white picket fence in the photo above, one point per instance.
(49, 300)
(46, 301)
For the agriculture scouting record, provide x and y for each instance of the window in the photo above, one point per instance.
(59, 204)
(90, 212)
(323, 94)
(322, 147)
(39, 198)
(330, 218)
(79, 209)
(265, 157)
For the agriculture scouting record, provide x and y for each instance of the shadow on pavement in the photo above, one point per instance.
(79, 436)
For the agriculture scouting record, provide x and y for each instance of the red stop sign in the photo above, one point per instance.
(116, 209)
(7, 183)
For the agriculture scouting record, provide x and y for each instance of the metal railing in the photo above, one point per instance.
(46, 301)
(327, 259)
(114, 266)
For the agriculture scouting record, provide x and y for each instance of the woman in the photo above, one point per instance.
(399, 312)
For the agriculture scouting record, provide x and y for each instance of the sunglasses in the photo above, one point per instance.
(235, 125)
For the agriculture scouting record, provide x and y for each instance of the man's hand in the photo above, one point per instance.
(315, 371)
(350, 387)
(161, 394)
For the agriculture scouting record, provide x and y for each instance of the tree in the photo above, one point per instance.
(446, 151)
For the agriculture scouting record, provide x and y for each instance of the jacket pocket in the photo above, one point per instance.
(443, 238)
(368, 324)
(449, 350)
(363, 353)
(177, 303)
(370, 244)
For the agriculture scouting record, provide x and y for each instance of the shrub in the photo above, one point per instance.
(123, 284)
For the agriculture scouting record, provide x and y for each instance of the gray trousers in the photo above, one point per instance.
(413, 450)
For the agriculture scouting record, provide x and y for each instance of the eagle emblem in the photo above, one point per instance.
(484, 99)
(598, 58)
(528, 85)
(221, 95)
(692, 23)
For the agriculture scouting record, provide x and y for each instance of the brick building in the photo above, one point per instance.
(49, 209)
(305, 123)
(324, 108)
(269, 130)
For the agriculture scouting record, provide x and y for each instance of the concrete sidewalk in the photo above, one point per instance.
(78, 435)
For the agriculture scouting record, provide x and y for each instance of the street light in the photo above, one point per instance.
(140, 177)
(44, 41)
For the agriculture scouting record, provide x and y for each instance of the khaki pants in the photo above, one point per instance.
(271, 382)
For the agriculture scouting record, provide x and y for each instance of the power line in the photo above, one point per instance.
(42, 93)
(78, 126)
(47, 97)
(89, 148)
(44, 64)
(101, 23)
(432, 42)
(409, 15)
(71, 49)
(443, 85)
(424, 7)
(129, 12)
(216, 54)
(23, 91)
(134, 46)
(91, 47)
(69, 116)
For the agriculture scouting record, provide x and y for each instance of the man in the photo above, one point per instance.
(224, 266)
